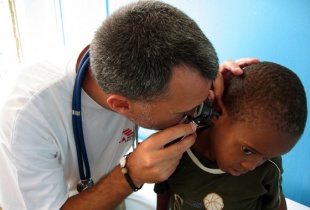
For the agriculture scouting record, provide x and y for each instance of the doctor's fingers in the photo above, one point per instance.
(149, 165)
(228, 69)
(242, 62)
(154, 149)
(229, 66)
(165, 169)
(169, 157)
(148, 158)
(160, 139)
(157, 169)
(178, 147)
(235, 67)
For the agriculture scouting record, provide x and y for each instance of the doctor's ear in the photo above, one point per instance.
(119, 104)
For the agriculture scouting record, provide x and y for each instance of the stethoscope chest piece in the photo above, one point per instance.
(84, 184)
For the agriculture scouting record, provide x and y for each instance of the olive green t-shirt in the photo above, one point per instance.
(199, 184)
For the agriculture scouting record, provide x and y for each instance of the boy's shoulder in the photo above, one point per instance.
(277, 162)
(272, 167)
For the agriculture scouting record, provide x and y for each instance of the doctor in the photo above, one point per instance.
(150, 65)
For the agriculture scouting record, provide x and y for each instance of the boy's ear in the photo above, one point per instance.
(120, 104)
(219, 106)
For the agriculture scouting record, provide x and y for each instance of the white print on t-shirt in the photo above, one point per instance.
(213, 201)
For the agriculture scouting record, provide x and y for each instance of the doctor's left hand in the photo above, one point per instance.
(228, 69)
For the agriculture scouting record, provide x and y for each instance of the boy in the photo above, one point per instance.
(264, 113)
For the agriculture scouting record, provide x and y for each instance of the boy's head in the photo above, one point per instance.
(263, 116)
(268, 93)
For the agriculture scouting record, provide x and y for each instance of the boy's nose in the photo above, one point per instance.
(250, 165)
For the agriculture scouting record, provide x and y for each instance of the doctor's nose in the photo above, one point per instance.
(194, 112)
(191, 114)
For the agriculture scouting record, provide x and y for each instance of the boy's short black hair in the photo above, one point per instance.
(268, 93)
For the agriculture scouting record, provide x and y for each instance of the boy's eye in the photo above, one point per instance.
(247, 151)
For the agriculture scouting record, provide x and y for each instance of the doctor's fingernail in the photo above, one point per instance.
(194, 126)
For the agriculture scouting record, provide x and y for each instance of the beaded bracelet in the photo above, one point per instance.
(127, 177)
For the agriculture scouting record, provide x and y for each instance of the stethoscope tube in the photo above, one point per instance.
(77, 123)
(85, 175)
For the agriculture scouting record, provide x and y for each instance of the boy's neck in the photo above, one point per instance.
(203, 145)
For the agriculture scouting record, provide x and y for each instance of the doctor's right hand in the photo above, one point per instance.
(152, 162)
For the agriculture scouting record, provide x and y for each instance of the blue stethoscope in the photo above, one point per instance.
(85, 176)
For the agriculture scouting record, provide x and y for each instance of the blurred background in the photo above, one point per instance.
(277, 31)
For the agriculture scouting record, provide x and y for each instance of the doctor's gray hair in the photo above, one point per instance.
(136, 48)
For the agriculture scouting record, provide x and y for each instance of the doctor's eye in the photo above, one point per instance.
(247, 151)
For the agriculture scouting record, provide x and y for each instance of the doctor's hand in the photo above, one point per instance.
(152, 162)
(228, 69)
